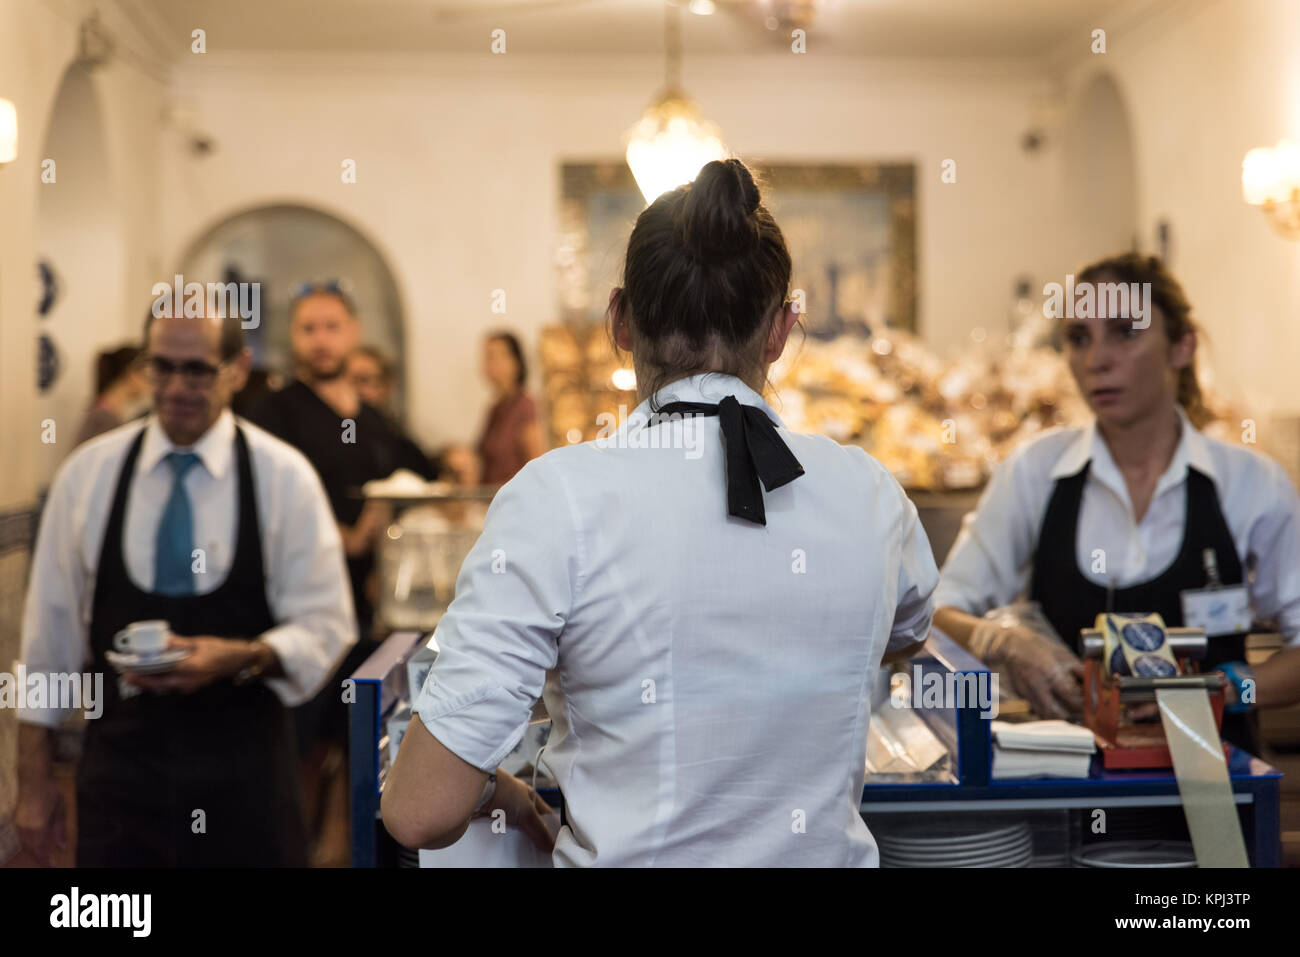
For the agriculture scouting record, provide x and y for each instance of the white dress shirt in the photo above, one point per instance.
(992, 559)
(712, 677)
(307, 586)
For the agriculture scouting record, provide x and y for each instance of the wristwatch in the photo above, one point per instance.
(489, 789)
(1239, 673)
(245, 675)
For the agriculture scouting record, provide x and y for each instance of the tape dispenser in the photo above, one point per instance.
(1127, 659)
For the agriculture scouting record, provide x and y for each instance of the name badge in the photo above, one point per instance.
(1218, 611)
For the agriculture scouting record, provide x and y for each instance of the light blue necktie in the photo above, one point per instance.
(173, 558)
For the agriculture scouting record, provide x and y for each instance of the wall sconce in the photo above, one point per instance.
(1270, 179)
(8, 132)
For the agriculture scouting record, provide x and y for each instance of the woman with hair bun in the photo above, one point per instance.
(1130, 514)
(702, 597)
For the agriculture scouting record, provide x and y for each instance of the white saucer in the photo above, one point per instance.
(137, 664)
(1138, 854)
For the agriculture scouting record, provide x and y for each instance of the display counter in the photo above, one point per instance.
(1063, 813)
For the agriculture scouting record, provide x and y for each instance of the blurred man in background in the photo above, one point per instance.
(349, 443)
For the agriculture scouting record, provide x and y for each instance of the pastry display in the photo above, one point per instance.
(936, 424)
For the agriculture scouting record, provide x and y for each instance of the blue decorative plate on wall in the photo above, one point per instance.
(47, 363)
(49, 288)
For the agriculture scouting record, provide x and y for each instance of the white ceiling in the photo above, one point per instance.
(941, 28)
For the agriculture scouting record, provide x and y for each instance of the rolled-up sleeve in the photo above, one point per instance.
(54, 635)
(307, 586)
(917, 579)
(988, 565)
(499, 636)
(1274, 550)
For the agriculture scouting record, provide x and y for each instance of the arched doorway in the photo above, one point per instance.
(1100, 183)
(282, 246)
(79, 248)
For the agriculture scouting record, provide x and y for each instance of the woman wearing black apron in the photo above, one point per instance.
(1139, 512)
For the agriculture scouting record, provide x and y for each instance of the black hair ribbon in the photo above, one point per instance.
(754, 451)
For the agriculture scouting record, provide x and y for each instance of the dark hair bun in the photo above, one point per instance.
(715, 219)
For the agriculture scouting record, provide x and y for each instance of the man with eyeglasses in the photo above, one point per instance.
(210, 524)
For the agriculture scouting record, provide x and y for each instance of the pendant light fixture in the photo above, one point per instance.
(672, 140)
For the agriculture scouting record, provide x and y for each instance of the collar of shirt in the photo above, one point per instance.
(709, 387)
(214, 448)
(1192, 450)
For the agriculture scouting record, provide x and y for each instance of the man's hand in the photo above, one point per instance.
(524, 809)
(360, 539)
(41, 819)
(212, 659)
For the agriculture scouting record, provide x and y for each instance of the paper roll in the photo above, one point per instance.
(1202, 777)
(1137, 645)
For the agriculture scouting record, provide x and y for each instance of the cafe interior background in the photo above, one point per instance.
(934, 164)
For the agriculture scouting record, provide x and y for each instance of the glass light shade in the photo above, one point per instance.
(1259, 176)
(1287, 157)
(669, 144)
(8, 132)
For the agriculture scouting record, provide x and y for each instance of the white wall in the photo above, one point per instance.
(37, 45)
(1204, 82)
(116, 253)
(457, 181)
(457, 173)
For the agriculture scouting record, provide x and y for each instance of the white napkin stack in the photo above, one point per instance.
(1041, 749)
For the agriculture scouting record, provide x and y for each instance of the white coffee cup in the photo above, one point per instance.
(143, 638)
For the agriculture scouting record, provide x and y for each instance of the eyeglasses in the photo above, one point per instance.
(196, 373)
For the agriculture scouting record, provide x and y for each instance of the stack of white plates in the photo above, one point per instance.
(1137, 854)
(948, 845)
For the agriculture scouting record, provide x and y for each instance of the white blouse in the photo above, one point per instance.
(712, 677)
(992, 559)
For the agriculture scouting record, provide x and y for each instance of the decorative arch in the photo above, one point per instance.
(80, 257)
(1100, 173)
(282, 244)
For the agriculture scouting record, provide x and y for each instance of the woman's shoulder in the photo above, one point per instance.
(851, 465)
(519, 407)
(1240, 466)
(525, 406)
(1047, 447)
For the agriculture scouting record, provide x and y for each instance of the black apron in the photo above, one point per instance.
(151, 761)
(1071, 602)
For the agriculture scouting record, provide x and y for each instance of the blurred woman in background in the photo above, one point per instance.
(512, 435)
(121, 393)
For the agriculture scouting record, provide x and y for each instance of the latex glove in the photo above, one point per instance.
(1041, 669)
